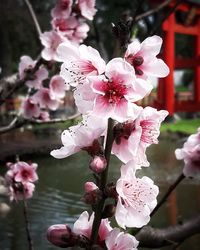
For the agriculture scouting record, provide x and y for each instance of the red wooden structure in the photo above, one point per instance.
(166, 96)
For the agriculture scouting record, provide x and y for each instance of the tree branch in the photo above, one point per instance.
(33, 15)
(154, 30)
(169, 191)
(173, 235)
(17, 123)
(152, 11)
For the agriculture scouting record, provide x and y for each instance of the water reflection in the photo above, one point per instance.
(58, 193)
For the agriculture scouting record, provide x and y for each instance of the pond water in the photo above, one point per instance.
(59, 189)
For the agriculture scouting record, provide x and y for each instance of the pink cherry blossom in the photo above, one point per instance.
(80, 136)
(30, 108)
(190, 153)
(79, 62)
(117, 240)
(136, 198)
(143, 57)
(83, 226)
(62, 9)
(19, 180)
(44, 98)
(116, 92)
(87, 8)
(51, 41)
(26, 64)
(71, 28)
(134, 136)
(25, 172)
(57, 87)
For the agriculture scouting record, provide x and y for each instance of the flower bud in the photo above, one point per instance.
(90, 186)
(98, 164)
(61, 236)
(92, 197)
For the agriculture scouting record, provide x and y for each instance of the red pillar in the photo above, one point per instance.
(169, 55)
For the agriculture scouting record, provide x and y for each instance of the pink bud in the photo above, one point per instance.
(98, 164)
(90, 186)
(61, 235)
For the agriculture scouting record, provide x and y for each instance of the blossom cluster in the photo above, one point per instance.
(41, 98)
(68, 25)
(105, 91)
(20, 179)
(190, 153)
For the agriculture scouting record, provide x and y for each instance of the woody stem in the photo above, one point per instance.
(103, 181)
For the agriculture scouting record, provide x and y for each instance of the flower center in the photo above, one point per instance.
(25, 174)
(136, 62)
(123, 131)
(114, 91)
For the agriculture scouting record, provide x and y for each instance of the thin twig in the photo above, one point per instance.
(170, 190)
(154, 30)
(29, 239)
(152, 11)
(33, 15)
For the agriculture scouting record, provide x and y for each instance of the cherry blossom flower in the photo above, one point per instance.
(190, 153)
(81, 136)
(116, 92)
(143, 57)
(87, 8)
(79, 62)
(134, 136)
(44, 98)
(83, 226)
(136, 197)
(62, 9)
(117, 240)
(19, 180)
(71, 28)
(26, 64)
(25, 172)
(57, 87)
(51, 41)
(30, 108)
